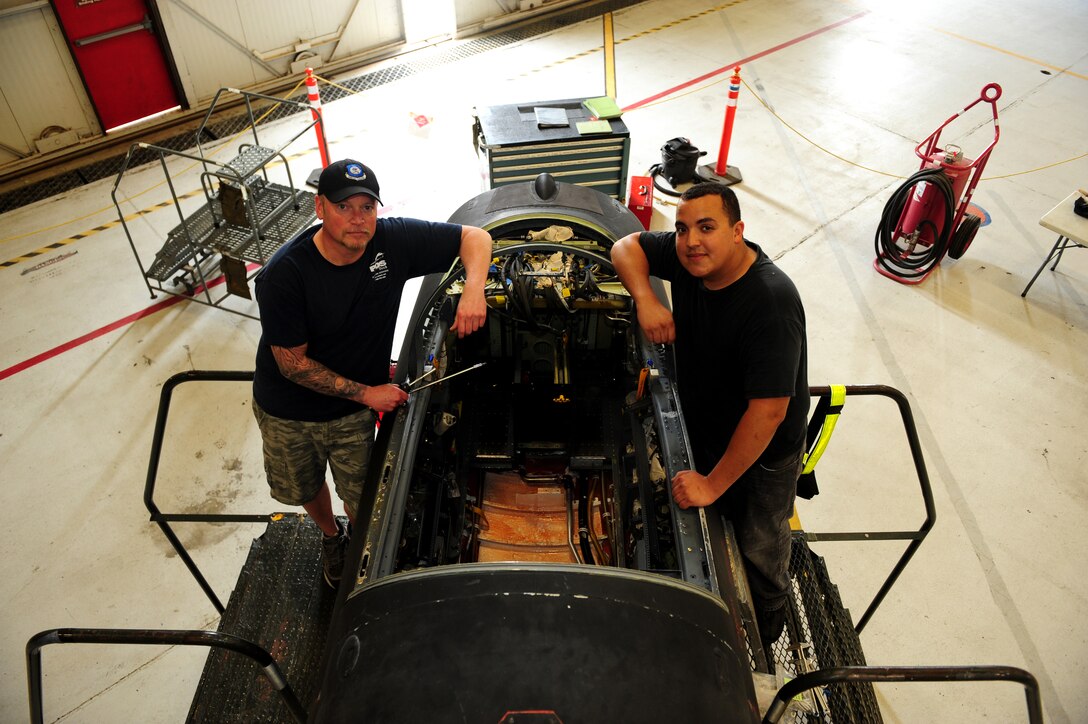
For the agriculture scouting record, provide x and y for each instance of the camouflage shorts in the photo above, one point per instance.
(296, 454)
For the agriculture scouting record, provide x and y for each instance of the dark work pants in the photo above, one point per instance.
(760, 505)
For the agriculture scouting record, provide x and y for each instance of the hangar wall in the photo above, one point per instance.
(251, 44)
(40, 88)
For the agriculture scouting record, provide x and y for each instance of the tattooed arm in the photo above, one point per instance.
(296, 366)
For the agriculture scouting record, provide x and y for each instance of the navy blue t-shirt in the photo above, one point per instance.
(345, 314)
(743, 342)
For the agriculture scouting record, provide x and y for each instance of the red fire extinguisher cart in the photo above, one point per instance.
(926, 217)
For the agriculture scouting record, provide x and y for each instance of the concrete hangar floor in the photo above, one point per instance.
(998, 383)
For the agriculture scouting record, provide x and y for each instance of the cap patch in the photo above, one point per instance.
(354, 172)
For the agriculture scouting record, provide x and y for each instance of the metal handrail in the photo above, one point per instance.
(247, 97)
(163, 519)
(915, 537)
(213, 639)
(868, 674)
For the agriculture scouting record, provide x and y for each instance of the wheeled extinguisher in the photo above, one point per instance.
(926, 217)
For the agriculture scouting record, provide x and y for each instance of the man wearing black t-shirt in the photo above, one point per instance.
(741, 357)
(328, 301)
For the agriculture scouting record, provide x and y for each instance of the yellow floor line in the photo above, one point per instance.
(609, 57)
(641, 34)
(91, 232)
(110, 224)
(1012, 54)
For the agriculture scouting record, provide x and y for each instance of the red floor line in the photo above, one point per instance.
(61, 349)
(743, 61)
(37, 359)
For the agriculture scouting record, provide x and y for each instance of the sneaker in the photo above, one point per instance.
(334, 549)
(771, 624)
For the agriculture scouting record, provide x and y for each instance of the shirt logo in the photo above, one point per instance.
(378, 268)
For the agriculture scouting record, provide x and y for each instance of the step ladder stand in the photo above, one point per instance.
(245, 217)
(820, 648)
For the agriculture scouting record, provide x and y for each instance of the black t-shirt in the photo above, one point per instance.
(743, 342)
(345, 314)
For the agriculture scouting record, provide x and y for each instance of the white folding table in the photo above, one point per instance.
(1072, 231)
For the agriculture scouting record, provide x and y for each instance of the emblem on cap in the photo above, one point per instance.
(354, 172)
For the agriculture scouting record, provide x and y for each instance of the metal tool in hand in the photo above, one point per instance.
(405, 386)
(442, 379)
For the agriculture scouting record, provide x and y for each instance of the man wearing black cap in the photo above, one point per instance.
(328, 301)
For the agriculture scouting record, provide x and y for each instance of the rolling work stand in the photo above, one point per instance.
(265, 660)
(245, 217)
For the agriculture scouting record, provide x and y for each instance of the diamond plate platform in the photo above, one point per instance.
(282, 604)
(820, 635)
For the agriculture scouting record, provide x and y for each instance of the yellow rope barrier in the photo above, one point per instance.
(809, 140)
(335, 85)
(781, 120)
(1049, 165)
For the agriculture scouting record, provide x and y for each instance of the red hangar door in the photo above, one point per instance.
(119, 54)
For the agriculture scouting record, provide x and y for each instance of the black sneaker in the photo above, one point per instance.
(333, 551)
(771, 624)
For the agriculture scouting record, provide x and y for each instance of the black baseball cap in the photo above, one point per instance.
(347, 178)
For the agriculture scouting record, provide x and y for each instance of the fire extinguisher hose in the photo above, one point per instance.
(911, 263)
